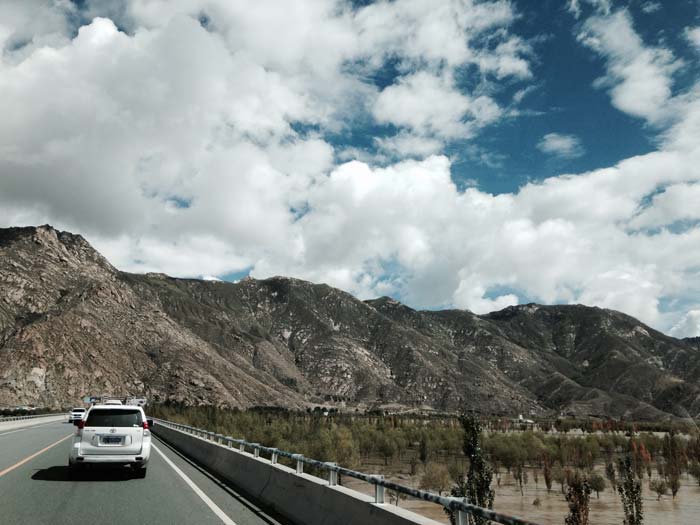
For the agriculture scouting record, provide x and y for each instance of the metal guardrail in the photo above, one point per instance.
(17, 418)
(459, 506)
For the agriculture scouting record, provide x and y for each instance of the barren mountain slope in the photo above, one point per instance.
(72, 325)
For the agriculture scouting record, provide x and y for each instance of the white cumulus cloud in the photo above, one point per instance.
(191, 137)
(639, 77)
(688, 326)
(692, 34)
(561, 145)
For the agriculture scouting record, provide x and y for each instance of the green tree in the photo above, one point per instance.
(520, 476)
(578, 495)
(597, 483)
(476, 487)
(413, 463)
(659, 486)
(559, 475)
(547, 471)
(436, 477)
(347, 451)
(694, 449)
(456, 470)
(423, 449)
(610, 474)
(675, 460)
(399, 440)
(630, 490)
(386, 447)
(694, 470)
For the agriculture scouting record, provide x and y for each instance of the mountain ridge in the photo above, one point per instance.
(71, 325)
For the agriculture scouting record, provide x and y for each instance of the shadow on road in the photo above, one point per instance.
(64, 473)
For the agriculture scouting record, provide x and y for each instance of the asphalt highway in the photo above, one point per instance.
(37, 487)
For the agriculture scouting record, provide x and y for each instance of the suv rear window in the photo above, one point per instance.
(105, 417)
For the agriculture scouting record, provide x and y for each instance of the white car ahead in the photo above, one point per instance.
(76, 414)
(112, 434)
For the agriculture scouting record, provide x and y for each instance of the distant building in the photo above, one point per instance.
(521, 423)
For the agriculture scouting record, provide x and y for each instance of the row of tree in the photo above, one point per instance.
(456, 455)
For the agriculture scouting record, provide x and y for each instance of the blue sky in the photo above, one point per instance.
(469, 154)
(561, 98)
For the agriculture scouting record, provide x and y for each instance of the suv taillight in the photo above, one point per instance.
(81, 424)
(145, 425)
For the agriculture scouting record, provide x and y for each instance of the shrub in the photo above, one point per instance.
(436, 477)
(659, 486)
(597, 483)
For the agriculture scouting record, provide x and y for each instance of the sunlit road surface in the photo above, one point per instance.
(37, 487)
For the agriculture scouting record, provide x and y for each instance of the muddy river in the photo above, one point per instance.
(607, 510)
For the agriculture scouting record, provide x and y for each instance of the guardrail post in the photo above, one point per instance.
(300, 463)
(332, 474)
(229, 441)
(273, 456)
(378, 490)
(256, 450)
(241, 447)
(462, 518)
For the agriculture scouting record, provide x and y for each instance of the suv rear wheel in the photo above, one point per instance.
(139, 472)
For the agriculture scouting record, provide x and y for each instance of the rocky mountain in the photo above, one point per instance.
(72, 325)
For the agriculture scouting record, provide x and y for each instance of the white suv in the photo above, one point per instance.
(112, 434)
(76, 414)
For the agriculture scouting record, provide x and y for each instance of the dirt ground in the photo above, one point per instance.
(607, 510)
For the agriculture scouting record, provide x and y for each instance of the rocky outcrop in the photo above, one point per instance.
(72, 325)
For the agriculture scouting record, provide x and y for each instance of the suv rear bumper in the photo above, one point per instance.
(140, 459)
(114, 460)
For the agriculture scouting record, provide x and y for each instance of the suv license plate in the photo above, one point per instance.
(110, 440)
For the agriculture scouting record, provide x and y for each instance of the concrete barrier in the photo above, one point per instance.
(301, 498)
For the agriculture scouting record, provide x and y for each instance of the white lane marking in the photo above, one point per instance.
(12, 432)
(26, 428)
(213, 506)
